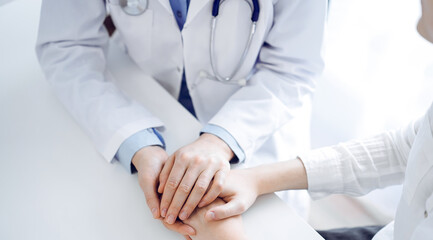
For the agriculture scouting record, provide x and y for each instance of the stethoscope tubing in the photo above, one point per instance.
(141, 6)
(243, 57)
(254, 16)
(255, 10)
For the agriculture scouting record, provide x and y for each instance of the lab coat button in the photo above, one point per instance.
(179, 69)
(425, 214)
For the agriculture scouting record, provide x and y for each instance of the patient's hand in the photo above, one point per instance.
(227, 229)
(240, 191)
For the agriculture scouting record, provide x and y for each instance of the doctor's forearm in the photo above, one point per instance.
(280, 176)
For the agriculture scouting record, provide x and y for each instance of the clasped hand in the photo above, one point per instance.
(175, 185)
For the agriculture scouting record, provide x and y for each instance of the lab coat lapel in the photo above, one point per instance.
(195, 6)
(166, 4)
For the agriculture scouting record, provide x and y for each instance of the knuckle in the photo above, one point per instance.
(201, 187)
(185, 188)
(212, 161)
(242, 207)
(198, 160)
(219, 187)
(225, 212)
(183, 157)
(172, 183)
(223, 165)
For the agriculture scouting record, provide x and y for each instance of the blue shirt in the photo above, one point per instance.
(151, 137)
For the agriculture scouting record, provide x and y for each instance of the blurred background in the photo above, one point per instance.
(378, 76)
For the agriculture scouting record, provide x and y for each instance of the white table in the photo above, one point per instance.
(54, 185)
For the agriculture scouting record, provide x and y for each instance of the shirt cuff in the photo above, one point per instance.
(228, 139)
(323, 172)
(139, 140)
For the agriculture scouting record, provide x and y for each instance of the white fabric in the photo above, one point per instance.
(268, 114)
(357, 167)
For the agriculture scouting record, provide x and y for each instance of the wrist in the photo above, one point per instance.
(287, 175)
(216, 141)
(254, 176)
(141, 154)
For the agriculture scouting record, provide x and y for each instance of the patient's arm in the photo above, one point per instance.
(227, 229)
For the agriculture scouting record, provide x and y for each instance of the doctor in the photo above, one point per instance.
(357, 167)
(247, 77)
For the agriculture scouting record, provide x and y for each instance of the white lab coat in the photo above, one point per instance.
(268, 114)
(358, 167)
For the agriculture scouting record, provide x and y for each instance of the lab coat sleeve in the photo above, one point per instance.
(71, 48)
(289, 61)
(144, 138)
(358, 167)
(239, 155)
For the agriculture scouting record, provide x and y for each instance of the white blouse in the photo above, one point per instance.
(358, 167)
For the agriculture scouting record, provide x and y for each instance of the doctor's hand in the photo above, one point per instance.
(149, 162)
(227, 229)
(240, 192)
(193, 176)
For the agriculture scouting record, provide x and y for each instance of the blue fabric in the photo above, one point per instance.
(185, 98)
(228, 139)
(180, 11)
(144, 138)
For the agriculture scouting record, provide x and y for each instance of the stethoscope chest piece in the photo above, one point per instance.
(133, 7)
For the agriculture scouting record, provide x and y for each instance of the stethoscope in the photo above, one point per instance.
(138, 7)
(131, 7)
(255, 10)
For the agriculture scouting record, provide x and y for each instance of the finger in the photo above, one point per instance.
(170, 188)
(182, 193)
(187, 237)
(197, 193)
(227, 210)
(148, 186)
(181, 228)
(215, 189)
(163, 176)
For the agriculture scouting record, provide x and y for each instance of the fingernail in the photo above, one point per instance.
(163, 212)
(183, 215)
(211, 215)
(170, 219)
(154, 212)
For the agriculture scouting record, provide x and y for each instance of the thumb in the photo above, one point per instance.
(181, 228)
(232, 208)
(152, 199)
